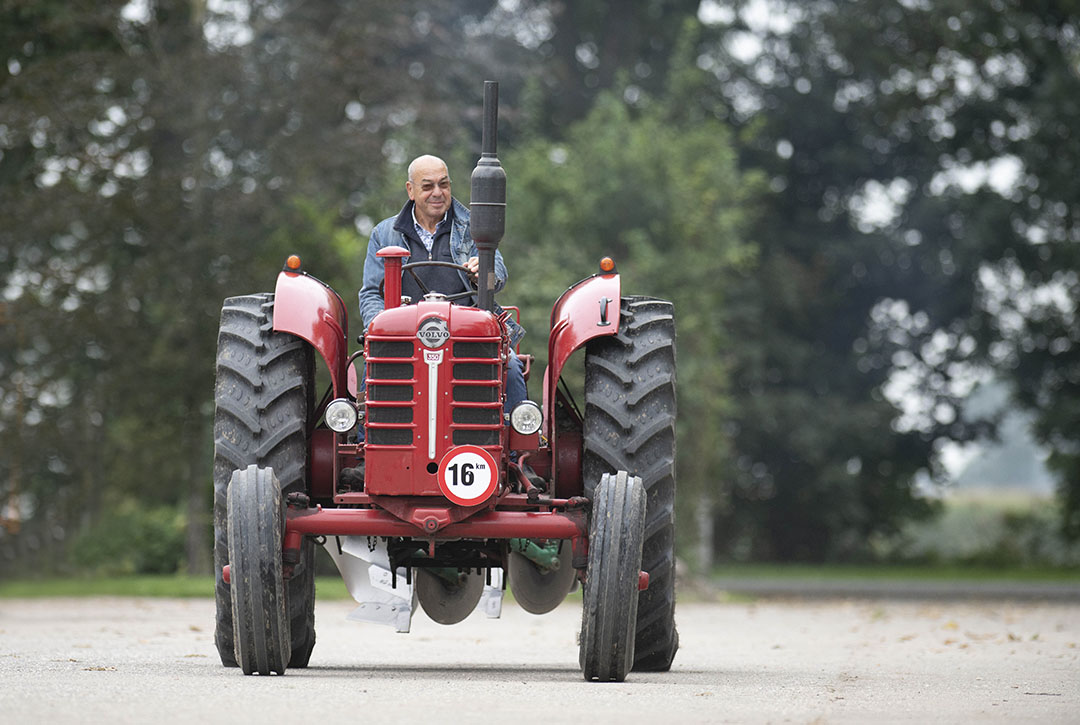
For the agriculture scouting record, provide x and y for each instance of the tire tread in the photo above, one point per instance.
(630, 410)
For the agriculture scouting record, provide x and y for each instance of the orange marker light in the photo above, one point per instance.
(607, 264)
(293, 262)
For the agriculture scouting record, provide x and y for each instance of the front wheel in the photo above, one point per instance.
(256, 529)
(263, 401)
(609, 613)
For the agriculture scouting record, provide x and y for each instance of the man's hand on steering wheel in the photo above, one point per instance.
(473, 265)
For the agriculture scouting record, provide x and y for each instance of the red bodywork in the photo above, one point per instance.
(587, 310)
(423, 403)
(307, 308)
(409, 470)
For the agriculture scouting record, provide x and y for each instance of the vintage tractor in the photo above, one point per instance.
(417, 482)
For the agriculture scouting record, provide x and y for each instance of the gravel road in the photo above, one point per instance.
(153, 661)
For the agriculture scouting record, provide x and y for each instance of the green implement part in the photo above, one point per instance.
(545, 555)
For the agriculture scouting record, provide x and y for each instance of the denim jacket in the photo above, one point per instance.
(461, 248)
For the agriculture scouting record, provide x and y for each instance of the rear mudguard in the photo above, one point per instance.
(307, 308)
(587, 310)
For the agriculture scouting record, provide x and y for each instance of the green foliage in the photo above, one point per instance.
(172, 585)
(934, 97)
(152, 167)
(986, 531)
(657, 190)
(132, 539)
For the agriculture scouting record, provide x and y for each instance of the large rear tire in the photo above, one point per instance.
(263, 394)
(630, 426)
(610, 606)
(256, 514)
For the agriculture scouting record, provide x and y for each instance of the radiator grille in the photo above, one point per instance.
(477, 416)
(476, 349)
(390, 371)
(471, 437)
(381, 369)
(476, 394)
(390, 393)
(476, 410)
(391, 348)
(391, 415)
(390, 436)
(474, 371)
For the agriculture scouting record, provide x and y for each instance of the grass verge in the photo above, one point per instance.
(333, 588)
(831, 572)
(139, 586)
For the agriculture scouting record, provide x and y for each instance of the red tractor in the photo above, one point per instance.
(422, 476)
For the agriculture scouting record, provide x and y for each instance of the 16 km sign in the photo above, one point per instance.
(468, 475)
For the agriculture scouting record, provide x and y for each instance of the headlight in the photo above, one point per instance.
(341, 415)
(526, 417)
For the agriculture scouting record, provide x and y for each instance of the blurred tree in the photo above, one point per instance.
(807, 463)
(922, 154)
(155, 158)
(919, 225)
(580, 49)
(656, 188)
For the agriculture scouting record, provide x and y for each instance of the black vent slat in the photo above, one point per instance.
(390, 371)
(390, 436)
(476, 393)
(477, 416)
(474, 371)
(476, 349)
(390, 348)
(390, 415)
(393, 393)
(476, 438)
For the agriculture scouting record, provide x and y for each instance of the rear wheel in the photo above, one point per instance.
(256, 515)
(610, 606)
(630, 426)
(300, 594)
(263, 397)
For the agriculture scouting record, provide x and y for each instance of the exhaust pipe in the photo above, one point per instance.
(488, 198)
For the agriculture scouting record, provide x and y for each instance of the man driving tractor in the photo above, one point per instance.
(434, 226)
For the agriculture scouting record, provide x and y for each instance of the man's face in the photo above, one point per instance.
(430, 189)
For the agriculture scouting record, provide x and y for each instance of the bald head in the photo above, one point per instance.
(429, 187)
(422, 164)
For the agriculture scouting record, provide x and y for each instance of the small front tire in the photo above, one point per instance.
(256, 528)
(609, 613)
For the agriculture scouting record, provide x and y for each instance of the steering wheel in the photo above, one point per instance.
(411, 269)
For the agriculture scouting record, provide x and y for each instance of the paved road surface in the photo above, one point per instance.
(153, 661)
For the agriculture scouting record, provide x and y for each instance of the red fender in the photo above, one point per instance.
(579, 315)
(307, 308)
